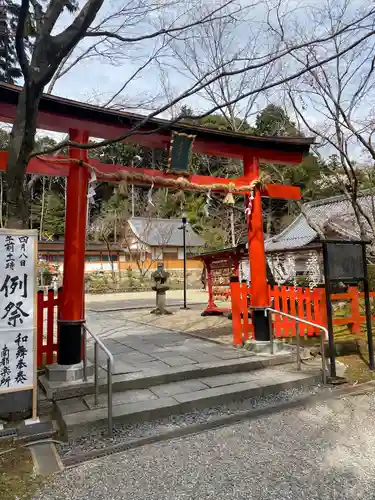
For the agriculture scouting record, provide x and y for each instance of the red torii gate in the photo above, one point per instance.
(82, 121)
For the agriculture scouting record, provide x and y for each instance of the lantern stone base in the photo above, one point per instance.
(161, 299)
(67, 373)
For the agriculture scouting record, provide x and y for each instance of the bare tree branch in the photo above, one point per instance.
(196, 88)
(38, 13)
(134, 75)
(328, 89)
(76, 30)
(165, 31)
(53, 12)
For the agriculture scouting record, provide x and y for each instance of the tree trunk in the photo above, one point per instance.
(21, 144)
(110, 259)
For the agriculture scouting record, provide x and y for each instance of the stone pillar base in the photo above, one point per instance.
(265, 347)
(68, 373)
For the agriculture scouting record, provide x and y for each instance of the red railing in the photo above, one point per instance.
(47, 330)
(301, 302)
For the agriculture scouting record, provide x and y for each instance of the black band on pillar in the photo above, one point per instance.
(70, 345)
(234, 279)
(261, 324)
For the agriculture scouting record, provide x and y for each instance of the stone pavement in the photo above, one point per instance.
(190, 321)
(142, 347)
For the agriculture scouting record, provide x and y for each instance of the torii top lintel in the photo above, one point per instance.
(60, 115)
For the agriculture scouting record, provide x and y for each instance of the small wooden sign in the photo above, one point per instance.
(345, 261)
(180, 152)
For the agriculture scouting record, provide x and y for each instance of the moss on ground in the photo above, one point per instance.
(17, 479)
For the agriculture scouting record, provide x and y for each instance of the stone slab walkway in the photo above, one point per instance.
(138, 346)
(142, 324)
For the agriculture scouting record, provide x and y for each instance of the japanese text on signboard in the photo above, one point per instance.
(17, 290)
(345, 261)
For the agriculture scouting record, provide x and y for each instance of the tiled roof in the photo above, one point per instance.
(331, 214)
(163, 232)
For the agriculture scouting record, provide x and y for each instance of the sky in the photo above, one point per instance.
(96, 79)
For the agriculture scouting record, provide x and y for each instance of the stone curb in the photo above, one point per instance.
(217, 422)
(45, 457)
(146, 380)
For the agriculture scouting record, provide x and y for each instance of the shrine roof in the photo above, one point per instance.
(163, 232)
(60, 114)
(222, 252)
(330, 216)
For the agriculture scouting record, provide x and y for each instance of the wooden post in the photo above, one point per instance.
(235, 289)
(50, 325)
(39, 326)
(245, 310)
(211, 303)
(355, 310)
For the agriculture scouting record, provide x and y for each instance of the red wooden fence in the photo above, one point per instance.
(47, 330)
(300, 302)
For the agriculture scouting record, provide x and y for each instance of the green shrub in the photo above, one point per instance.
(371, 277)
(45, 274)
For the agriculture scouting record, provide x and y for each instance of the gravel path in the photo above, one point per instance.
(321, 453)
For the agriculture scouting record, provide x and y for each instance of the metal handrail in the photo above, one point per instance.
(110, 364)
(315, 325)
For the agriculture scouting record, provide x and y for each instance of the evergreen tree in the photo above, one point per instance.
(53, 220)
(4, 139)
(10, 71)
(54, 217)
(273, 120)
(9, 68)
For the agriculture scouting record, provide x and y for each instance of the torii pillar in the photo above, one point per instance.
(257, 255)
(72, 308)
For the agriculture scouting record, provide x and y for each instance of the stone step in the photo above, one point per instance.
(77, 415)
(151, 377)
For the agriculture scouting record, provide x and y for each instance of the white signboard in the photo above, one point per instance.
(18, 256)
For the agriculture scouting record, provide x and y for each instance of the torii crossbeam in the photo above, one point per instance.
(82, 121)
